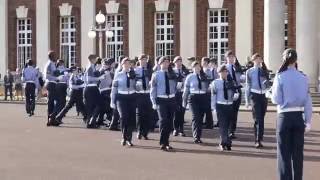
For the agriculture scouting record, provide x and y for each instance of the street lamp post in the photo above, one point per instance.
(100, 20)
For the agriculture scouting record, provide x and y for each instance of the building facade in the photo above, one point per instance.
(190, 28)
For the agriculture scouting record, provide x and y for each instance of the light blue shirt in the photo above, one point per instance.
(138, 71)
(120, 84)
(73, 81)
(106, 82)
(183, 74)
(49, 70)
(63, 74)
(158, 86)
(252, 82)
(290, 89)
(217, 93)
(89, 75)
(29, 74)
(238, 74)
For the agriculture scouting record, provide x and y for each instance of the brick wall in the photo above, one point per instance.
(55, 26)
(12, 29)
(258, 26)
(291, 23)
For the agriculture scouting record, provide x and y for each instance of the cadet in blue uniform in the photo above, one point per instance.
(91, 93)
(144, 106)
(181, 73)
(123, 95)
(208, 73)
(76, 95)
(256, 87)
(222, 92)
(235, 72)
(194, 93)
(51, 75)
(290, 91)
(29, 77)
(105, 90)
(62, 86)
(162, 94)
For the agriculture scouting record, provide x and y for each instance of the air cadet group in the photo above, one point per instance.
(143, 94)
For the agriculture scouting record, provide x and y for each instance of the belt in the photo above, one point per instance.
(52, 82)
(290, 109)
(224, 103)
(166, 96)
(126, 92)
(198, 92)
(105, 89)
(62, 82)
(91, 85)
(143, 92)
(258, 91)
(30, 82)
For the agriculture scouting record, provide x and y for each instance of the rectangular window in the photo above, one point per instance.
(68, 40)
(114, 45)
(164, 34)
(218, 34)
(24, 41)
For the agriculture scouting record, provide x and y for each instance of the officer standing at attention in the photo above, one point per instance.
(123, 96)
(290, 91)
(181, 73)
(144, 106)
(29, 77)
(51, 76)
(222, 92)
(256, 87)
(162, 94)
(234, 75)
(76, 95)
(208, 73)
(195, 90)
(91, 93)
(105, 90)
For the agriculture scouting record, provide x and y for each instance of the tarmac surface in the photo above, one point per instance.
(31, 151)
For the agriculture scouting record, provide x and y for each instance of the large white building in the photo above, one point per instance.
(190, 28)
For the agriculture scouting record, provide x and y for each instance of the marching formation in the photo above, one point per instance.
(142, 95)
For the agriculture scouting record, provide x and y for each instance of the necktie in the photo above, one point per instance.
(199, 82)
(144, 84)
(167, 83)
(213, 75)
(233, 74)
(225, 91)
(128, 80)
(259, 81)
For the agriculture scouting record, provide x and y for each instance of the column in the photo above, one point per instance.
(274, 15)
(3, 37)
(88, 46)
(136, 27)
(43, 32)
(307, 38)
(244, 29)
(188, 25)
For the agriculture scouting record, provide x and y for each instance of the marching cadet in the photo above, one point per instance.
(124, 98)
(233, 67)
(51, 75)
(290, 91)
(76, 95)
(162, 94)
(91, 93)
(181, 73)
(222, 92)
(105, 90)
(80, 107)
(62, 86)
(144, 106)
(195, 91)
(256, 87)
(208, 73)
(29, 77)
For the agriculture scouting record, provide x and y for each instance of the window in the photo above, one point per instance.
(164, 34)
(114, 46)
(24, 41)
(218, 34)
(286, 29)
(68, 40)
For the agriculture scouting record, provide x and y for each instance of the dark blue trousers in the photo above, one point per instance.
(126, 105)
(166, 114)
(290, 142)
(52, 98)
(144, 114)
(259, 108)
(198, 108)
(30, 97)
(178, 121)
(224, 115)
(93, 104)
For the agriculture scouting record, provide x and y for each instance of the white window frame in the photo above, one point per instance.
(164, 41)
(67, 40)
(24, 43)
(222, 29)
(114, 45)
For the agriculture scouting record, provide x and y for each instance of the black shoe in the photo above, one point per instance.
(114, 129)
(228, 147)
(139, 136)
(258, 145)
(163, 148)
(129, 143)
(216, 125)
(221, 148)
(182, 134)
(30, 114)
(123, 142)
(168, 147)
(175, 133)
(197, 141)
(232, 136)
(145, 137)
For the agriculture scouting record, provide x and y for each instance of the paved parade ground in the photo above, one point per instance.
(29, 150)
